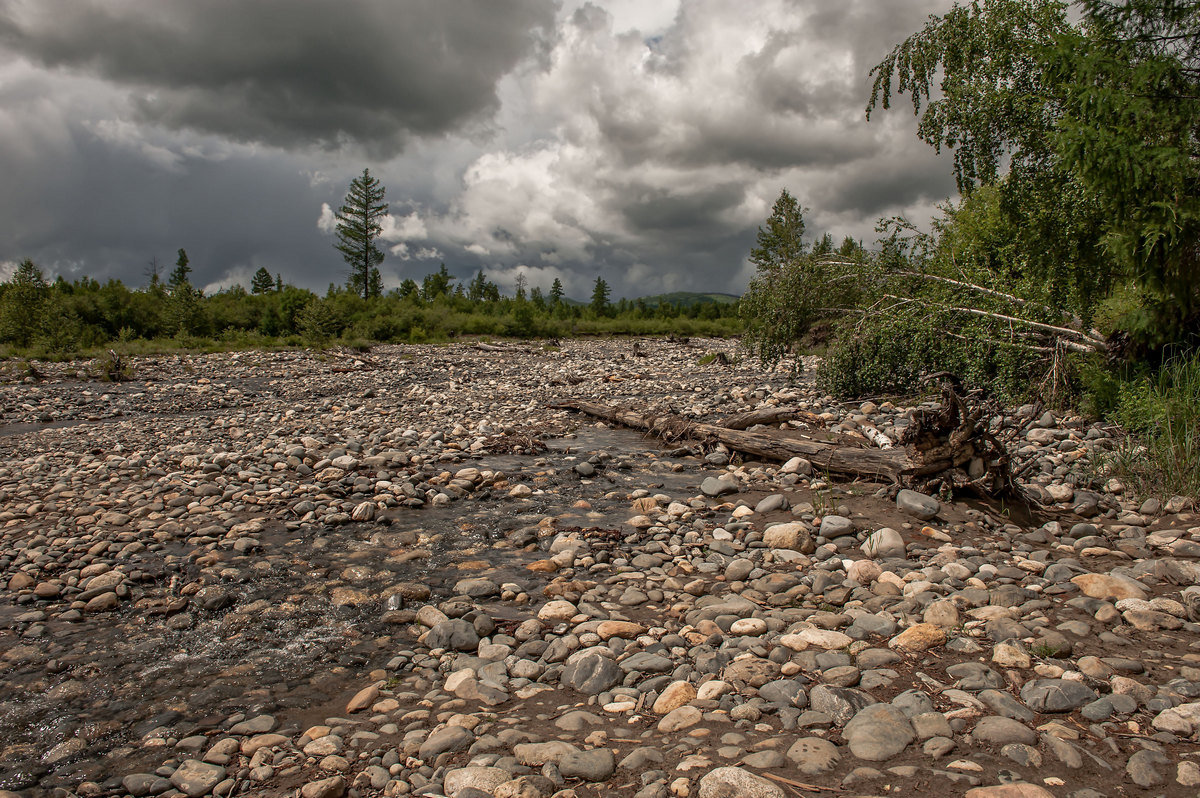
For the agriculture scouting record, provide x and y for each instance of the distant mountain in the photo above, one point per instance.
(689, 298)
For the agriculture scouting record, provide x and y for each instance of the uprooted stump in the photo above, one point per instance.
(952, 446)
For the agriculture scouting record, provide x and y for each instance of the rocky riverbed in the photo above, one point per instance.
(402, 573)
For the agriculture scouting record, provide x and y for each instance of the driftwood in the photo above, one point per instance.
(935, 448)
(770, 415)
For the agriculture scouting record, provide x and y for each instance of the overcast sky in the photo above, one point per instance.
(639, 140)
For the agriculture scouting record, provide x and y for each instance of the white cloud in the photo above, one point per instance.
(403, 228)
(327, 221)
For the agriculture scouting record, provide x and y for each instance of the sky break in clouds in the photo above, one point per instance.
(641, 142)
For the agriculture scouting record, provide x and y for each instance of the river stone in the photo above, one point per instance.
(1109, 587)
(731, 782)
(864, 571)
(834, 526)
(975, 676)
(195, 778)
(785, 692)
(623, 629)
(454, 635)
(1001, 731)
(1056, 695)
(477, 587)
(797, 465)
(738, 569)
(1014, 790)
(839, 703)
(718, 486)
(594, 765)
(675, 695)
(923, 507)
(680, 718)
(448, 738)
(557, 610)
(333, 787)
(919, 637)
(538, 754)
(1142, 768)
(884, 543)
(592, 673)
(484, 779)
(878, 732)
(786, 536)
(363, 699)
(814, 755)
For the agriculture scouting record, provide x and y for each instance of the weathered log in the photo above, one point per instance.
(932, 452)
(764, 415)
(890, 464)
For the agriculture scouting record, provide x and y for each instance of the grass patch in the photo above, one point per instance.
(1161, 412)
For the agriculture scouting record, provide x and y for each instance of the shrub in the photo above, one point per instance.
(1162, 414)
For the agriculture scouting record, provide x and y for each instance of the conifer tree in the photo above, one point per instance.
(358, 229)
(261, 282)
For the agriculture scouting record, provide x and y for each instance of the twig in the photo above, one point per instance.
(801, 785)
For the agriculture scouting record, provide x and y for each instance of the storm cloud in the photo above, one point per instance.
(290, 72)
(641, 142)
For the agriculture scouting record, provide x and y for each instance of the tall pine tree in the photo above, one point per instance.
(358, 229)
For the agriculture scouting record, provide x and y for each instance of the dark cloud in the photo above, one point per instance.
(653, 209)
(290, 72)
(130, 128)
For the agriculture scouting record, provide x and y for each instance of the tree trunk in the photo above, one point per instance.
(936, 442)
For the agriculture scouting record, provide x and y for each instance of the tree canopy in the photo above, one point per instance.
(1089, 130)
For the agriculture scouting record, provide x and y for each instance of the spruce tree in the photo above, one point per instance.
(358, 229)
(180, 274)
(261, 282)
(600, 293)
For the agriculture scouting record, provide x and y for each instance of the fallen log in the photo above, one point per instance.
(765, 415)
(936, 442)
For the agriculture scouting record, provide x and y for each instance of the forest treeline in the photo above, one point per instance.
(49, 318)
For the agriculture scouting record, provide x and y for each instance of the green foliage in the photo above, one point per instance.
(261, 282)
(179, 275)
(792, 287)
(600, 292)
(1131, 132)
(437, 284)
(23, 305)
(1162, 413)
(112, 366)
(887, 354)
(979, 73)
(1096, 123)
(358, 228)
(781, 241)
(71, 317)
(317, 321)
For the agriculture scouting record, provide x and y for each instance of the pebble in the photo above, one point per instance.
(491, 618)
